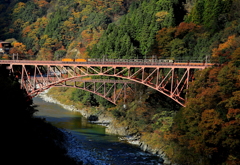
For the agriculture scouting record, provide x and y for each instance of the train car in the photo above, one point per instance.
(94, 60)
(126, 61)
(158, 61)
(190, 62)
(67, 60)
(151, 61)
(121, 61)
(80, 60)
(165, 61)
(5, 47)
(136, 61)
(109, 61)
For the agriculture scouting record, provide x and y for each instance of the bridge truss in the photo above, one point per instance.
(111, 90)
(170, 79)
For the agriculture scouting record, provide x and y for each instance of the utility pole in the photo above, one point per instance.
(206, 60)
(13, 56)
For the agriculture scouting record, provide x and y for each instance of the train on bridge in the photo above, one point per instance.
(135, 61)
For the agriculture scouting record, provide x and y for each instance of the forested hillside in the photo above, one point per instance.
(207, 131)
(54, 26)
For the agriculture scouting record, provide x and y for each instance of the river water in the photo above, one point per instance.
(92, 138)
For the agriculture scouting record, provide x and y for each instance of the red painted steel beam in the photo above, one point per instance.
(51, 73)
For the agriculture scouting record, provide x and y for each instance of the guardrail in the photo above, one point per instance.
(109, 62)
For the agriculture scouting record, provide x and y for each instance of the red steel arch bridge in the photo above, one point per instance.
(169, 78)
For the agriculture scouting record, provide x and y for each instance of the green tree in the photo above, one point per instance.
(177, 48)
(211, 14)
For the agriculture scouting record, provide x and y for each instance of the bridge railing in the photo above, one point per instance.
(104, 80)
(114, 62)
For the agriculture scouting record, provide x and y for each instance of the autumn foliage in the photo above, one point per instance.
(207, 130)
(210, 123)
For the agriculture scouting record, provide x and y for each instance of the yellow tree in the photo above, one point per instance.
(69, 24)
(19, 48)
(18, 7)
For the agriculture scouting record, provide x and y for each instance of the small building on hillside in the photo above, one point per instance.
(5, 47)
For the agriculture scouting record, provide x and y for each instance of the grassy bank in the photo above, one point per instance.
(65, 96)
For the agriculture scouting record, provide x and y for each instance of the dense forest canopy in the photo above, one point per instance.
(207, 131)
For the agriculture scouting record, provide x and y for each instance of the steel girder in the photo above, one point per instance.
(170, 80)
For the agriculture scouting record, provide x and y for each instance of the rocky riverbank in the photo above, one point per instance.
(136, 140)
(111, 128)
(76, 150)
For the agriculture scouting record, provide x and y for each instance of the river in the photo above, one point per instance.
(91, 139)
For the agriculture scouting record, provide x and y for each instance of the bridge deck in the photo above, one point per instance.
(107, 64)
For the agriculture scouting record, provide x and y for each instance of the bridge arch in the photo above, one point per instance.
(107, 89)
(174, 91)
(169, 79)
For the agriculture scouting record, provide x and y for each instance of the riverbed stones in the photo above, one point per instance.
(93, 118)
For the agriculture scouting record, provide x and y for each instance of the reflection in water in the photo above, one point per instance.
(71, 120)
(93, 137)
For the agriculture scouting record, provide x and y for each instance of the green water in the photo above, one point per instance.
(70, 120)
(92, 136)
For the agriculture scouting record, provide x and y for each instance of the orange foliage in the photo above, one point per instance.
(13, 50)
(30, 52)
(184, 28)
(76, 14)
(230, 43)
(40, 3)
(210, 123)
(83, 52)
(208, 95)
(5, 56)
(164, 37)
(18, 47)
(26, 30)
(11, 30)
(86, 35)
(18, 7)
(213, 73)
